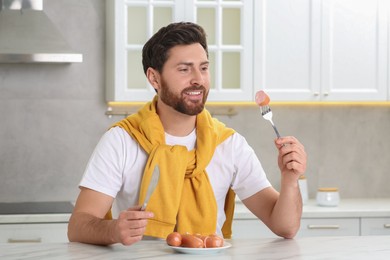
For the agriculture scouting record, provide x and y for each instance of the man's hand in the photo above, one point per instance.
(130, 225)
(292, 156)
(88, 224)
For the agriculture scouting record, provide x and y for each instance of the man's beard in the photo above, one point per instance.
(179, 103)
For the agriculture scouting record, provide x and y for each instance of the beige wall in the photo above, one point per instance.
(52, 116)
(347, 146)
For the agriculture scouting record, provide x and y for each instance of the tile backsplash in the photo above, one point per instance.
(347, 146)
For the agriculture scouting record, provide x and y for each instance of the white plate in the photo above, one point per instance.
(200, 251)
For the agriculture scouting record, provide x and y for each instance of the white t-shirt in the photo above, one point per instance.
(117, 164)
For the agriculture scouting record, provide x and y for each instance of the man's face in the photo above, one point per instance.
(185, 79)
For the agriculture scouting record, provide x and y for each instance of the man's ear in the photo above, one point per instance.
(153, 78)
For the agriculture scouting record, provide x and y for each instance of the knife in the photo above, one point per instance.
(152, 186)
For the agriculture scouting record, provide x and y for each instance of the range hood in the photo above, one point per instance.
(27, 35)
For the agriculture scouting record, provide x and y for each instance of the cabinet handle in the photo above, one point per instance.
(386, 225)
(316, 93)
(323, 226)
(32, 240)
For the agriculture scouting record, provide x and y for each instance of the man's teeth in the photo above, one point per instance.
(194, 93)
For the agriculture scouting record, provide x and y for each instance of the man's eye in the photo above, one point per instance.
(183, 69)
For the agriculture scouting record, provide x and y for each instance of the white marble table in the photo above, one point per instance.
(362, 247)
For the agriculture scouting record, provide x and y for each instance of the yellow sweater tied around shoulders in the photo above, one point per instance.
(183, 200)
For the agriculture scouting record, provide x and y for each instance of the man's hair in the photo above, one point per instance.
(155, 50)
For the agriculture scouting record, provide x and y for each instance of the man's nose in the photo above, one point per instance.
(197, 78)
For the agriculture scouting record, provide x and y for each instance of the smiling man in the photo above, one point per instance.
(202, 163)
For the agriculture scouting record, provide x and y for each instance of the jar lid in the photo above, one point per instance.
(332, 189)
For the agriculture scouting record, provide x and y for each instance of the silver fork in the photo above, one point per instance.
(266, 112)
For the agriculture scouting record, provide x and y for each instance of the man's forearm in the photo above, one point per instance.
(287, 212)
(86, 228)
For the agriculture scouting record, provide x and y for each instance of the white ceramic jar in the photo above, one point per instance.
(328, 197)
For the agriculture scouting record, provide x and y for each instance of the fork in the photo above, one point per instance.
(266, 112)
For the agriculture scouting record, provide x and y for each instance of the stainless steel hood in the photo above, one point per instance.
(27, 35)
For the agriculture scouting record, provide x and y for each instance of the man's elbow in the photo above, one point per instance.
(72, 230)
(288, 232)
(71, 236)
(289, 235)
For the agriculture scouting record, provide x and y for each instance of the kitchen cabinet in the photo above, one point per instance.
(375, 226)
(354, 55)
(322, 50)
(305, 50)
(35, 222)
(229, 27)
(329, 227)
(250, 228)
(253, 228)
(33, 233)
(353, 217)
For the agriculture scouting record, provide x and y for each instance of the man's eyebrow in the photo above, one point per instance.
(192, 64)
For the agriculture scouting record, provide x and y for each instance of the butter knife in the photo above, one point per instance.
(152, 186)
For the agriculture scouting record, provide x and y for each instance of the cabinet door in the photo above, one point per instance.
(251, 228)
(329, 227)
(33, 233)
(322, 50)
(287, 49)
(129, 25)
(354, 54)
(375, 226)
(229, 27)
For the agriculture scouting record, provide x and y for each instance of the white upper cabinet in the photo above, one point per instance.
(301, 50)
(229, 27)
(286, 58)
(354, 58)
(329, 50)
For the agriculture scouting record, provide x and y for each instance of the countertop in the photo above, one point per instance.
(35, 212)
(41, 207)
(348, 208)
(362, 247)
(34, 218)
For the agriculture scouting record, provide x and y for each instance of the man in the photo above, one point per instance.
(201, 162)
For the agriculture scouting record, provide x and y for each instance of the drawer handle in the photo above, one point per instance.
(386, 225)
(33, 240)
(323, 226)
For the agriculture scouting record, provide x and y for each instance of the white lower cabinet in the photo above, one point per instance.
(251, 228)
(375, 226)
(33, 233)
(353, 217)
(329, 227)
